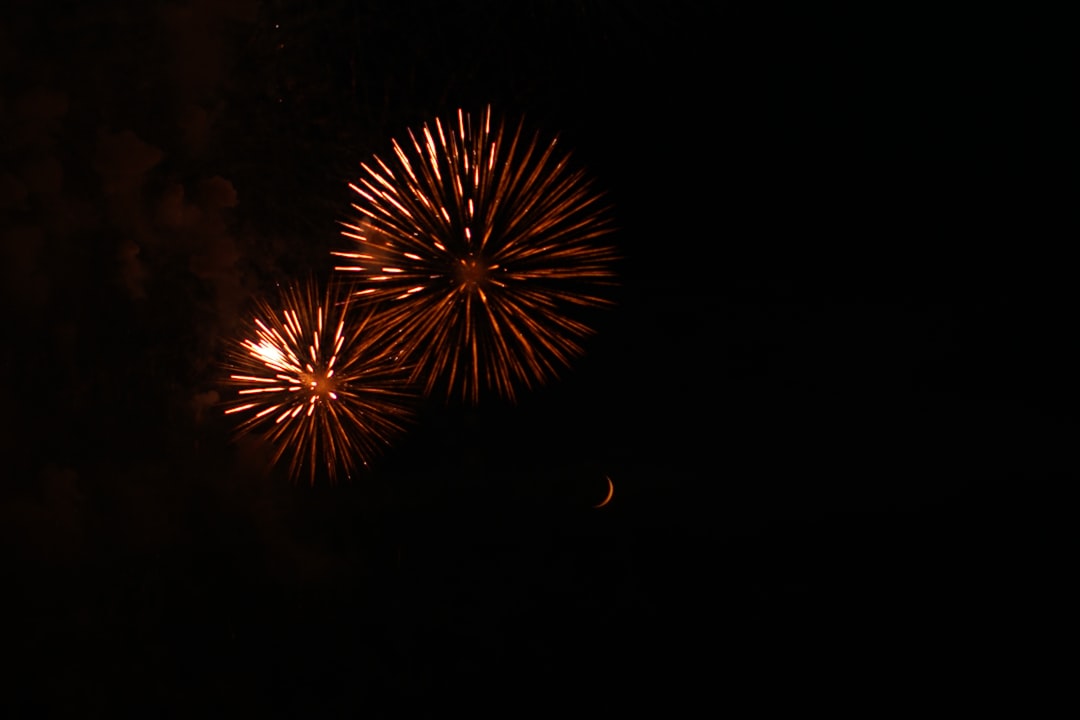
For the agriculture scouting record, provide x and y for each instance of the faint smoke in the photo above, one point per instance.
(202, 402)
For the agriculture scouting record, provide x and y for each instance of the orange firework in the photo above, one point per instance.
(480, 244)
(318, 383)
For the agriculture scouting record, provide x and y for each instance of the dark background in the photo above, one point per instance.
(836, 395)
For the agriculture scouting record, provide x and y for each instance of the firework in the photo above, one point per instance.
(481, 246)
(319, 382)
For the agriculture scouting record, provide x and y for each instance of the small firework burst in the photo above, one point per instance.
(480, 244)
(318, 382)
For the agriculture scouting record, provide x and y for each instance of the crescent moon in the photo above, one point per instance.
(610, 492)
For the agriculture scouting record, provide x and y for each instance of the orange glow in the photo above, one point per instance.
(328, 389)
(488, 244)
(610, 493)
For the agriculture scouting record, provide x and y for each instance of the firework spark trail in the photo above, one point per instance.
(479, 243)
(318, 383)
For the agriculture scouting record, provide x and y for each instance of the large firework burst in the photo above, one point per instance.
(480, 244)
(319, 382)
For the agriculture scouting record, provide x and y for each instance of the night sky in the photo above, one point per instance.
(836, 394)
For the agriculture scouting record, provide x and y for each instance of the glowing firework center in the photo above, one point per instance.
(321, 386)
(474, 274)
